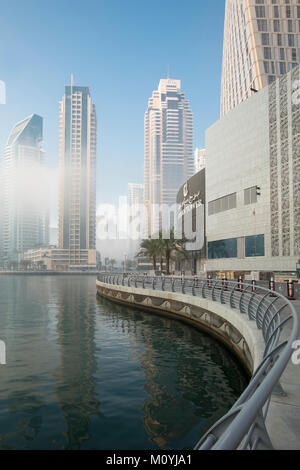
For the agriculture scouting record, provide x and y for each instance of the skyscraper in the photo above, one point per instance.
(25, 219)
(135, 216)
(1, 215)
(261, 42)
(169, 159)
(199, 159)
(77, 201)
(135, 194)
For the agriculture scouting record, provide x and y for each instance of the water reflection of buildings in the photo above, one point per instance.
(190, 379)
(75, 386)
(24, 388)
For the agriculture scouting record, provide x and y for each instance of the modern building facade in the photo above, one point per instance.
(55, 259)
(253, 183)
(1, 215)
(25, 221)
(77, 198)
(135, 201)
(261, 43)
(169, 159)
(199, 159)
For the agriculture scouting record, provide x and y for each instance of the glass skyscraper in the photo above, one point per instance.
(261, 43)
(169, 158)
(77, 201)
(25, 222)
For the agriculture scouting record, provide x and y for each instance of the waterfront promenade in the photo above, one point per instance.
(283, 420)
(189, 301)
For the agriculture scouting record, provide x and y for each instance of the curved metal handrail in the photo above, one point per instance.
(243, 427)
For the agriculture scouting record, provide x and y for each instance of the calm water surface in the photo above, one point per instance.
(83, 373)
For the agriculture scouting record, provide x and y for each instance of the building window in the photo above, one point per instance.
(279, 39)
(282, 68)
(266, 66)
(260, 12)
(291, 40)
(276, 26)
(255, 246)
(267, 53)
(265, 39)
(223, 204)
(250, 195)
(222, 249)
(261, 25)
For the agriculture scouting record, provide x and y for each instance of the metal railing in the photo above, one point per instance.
(243, 427)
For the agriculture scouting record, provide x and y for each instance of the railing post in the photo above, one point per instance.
(193, 288)
(173, 284)
(182, 284)
(291, 290)
(272, 286)
(163, 284)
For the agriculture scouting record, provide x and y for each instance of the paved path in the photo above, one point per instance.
(283, 421)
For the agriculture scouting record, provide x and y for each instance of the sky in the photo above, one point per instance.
(120, 49)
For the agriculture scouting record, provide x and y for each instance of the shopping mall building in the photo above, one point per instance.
(252, 185)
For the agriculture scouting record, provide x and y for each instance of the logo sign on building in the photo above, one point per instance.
(2, 92)
(191, 213)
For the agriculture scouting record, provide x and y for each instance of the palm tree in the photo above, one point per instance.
(151, 250)
(112, 262)
(106, 262)
(171, 247)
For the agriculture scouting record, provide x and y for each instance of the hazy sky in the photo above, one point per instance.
(121, 49)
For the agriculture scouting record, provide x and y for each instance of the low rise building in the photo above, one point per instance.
(58, 259)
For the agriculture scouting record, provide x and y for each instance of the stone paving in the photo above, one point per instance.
(283, 421)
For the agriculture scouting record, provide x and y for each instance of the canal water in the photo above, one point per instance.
(84, 373)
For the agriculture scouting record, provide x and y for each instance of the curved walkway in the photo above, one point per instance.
(247, 425)
(283, 422)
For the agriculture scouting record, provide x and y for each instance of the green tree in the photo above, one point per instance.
(112, 262)
(171, 247)
(151, 250)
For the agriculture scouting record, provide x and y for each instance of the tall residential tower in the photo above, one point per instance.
(169, 158)
(26, 223)
(261, 43)
(77, 201)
